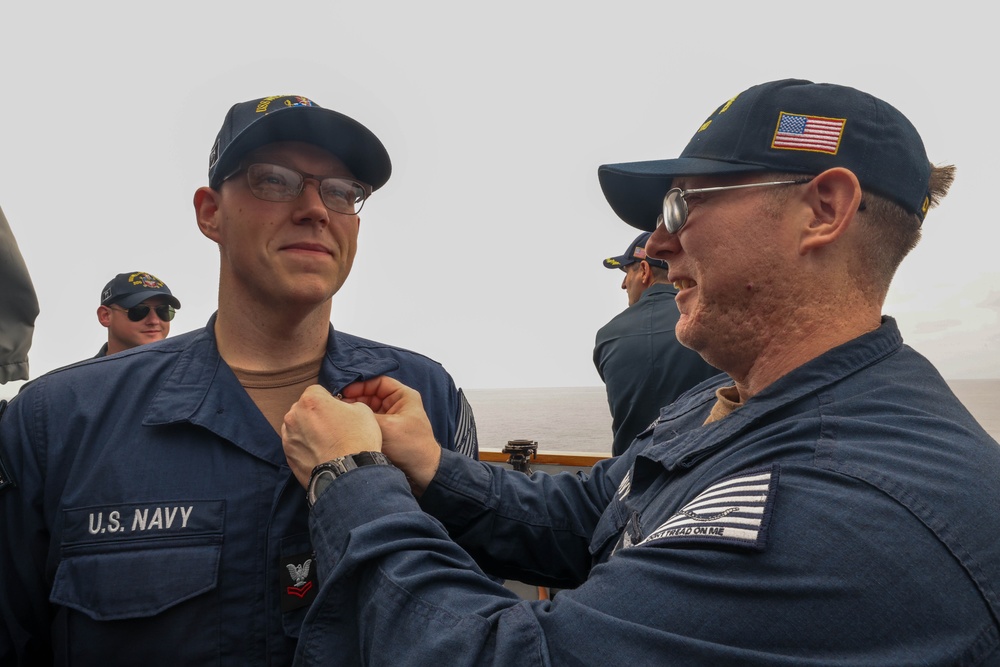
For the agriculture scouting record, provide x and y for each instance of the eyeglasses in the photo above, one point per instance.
(273, 182)
(675, 207)
(139, 313)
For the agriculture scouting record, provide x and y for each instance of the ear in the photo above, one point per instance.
(206, 209)
(833, 198)
(645, 273)
(104, 316)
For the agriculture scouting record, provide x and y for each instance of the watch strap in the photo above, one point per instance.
(324, 474)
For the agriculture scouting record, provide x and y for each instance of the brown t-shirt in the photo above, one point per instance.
(727, 400)
(274, 392)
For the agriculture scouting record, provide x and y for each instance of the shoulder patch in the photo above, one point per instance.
(5, 478)
(466, 438)
(735, 511)
(626, 485)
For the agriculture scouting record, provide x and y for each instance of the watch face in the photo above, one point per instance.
(319, 484)
(324, 474)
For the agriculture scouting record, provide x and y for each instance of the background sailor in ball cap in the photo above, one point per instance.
(136, 308)
(637, 354)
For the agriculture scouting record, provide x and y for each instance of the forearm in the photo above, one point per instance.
(535, 529)
(395, 590)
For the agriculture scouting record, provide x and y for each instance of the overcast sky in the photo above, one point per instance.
(484, 249)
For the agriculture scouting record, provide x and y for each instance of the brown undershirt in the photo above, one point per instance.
(274, 392)
(727, 400)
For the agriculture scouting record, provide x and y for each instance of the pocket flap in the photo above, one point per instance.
(135, 583)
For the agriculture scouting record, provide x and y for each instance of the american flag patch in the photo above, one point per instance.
(808, 133)
(734, 511)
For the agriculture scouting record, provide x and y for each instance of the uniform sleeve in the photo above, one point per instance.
(533, 529)
(18, 308)
(395, 590)
(24, 608)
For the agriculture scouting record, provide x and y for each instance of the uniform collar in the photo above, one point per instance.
(202, 390)
(658, 288)
(695, 442)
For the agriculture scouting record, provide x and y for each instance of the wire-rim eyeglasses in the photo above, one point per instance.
(275, 182)
(675, 208)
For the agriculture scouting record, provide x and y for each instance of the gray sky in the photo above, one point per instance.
(484, 249)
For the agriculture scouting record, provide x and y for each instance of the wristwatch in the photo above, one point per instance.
(324, 474)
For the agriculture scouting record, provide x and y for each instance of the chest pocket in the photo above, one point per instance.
(138, 561)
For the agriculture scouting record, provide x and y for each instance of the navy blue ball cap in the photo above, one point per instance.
(252, 124)
(635, 252)
(791, 126)
(132, 288)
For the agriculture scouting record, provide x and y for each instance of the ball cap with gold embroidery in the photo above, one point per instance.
(250, 125)
(132, 288)
(636, 252)
(785, 126)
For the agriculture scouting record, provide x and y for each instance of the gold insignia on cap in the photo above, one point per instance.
(145, 280)
(725, 107)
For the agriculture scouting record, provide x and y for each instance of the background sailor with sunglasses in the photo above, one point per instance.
(147, 513)
(136, 308)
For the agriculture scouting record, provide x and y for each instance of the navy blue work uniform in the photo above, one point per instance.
(848, 514)
(148, 513)
(642, 364)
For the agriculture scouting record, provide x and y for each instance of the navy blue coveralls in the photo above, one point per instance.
(849, 514)
(152, 518)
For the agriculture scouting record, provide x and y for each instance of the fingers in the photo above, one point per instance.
(376, 414)
(315, 397)
(384, 395)
(319, 427)
(377, 387)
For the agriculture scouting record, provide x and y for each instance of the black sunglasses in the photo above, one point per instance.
(139, 313)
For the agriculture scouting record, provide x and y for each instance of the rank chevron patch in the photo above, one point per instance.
(734, 511)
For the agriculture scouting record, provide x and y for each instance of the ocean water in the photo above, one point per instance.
(560, 419)
(577, 419)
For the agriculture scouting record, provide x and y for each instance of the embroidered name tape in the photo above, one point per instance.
(734, 511)
(129, 521)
